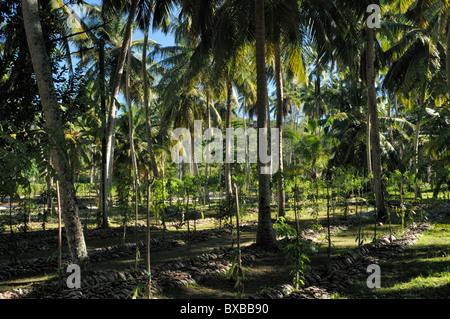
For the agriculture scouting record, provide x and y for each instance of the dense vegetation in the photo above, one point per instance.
(89, 110)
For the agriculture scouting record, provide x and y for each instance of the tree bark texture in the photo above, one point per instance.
(280, 98)
(265, 235)
(448, 56)
(228, 186)
(375, 126)
(55, 128)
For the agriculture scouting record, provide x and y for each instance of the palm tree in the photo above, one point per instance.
(285, 40)
(265, 235)
(181, 95)
(146, 103)
(357, 12)
(374, 121)
(115, 87)
(427, 13)
(448, 55)
(49, 101)
(112, 33)
(246, 86)
(417, 53)
(90, 44)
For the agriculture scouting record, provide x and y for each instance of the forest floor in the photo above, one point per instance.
(414, 259)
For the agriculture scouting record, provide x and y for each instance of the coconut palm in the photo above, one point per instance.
(115, 87)
(265, 235)
(181, 96)
(415, 54)
(357, 12)
(49, 101)
(286, 41)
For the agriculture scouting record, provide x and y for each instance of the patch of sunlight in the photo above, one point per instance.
(433, 281)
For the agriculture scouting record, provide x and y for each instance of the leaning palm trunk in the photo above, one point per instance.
(146, 106)
(279, 84)
(44, 78)
(132, 152)
(112, 115)
(374, 122)
(265, 235)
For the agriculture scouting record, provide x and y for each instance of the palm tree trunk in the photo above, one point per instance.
(58, 198)
(265, 235)
(104, 182)
(47, 92)
(130, 119)
(374, 121)
(228, 186)
(208, 119)
(417, 192)
(112, 115)
(448, 57)
(317, 95)
(247, 160)
(146, 106)
(280, 97)
(368, 152)
(148, 236)
(195, 165)
(50, 203)
(132, 151)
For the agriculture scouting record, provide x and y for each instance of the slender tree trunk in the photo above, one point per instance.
(50, 203)
(93, 169)
(368, 146)
(280, 98)
(395, 104)
(104, 182)
(208, 116)
(317, 94)
(130, 119)
(389, 107)
(194, 165)
(265, 235)
(10, 216)
(448, 56)
(149, 272)
(417, 191)
(328, 222)
(132, 151)
(228, 186)
(59, 232)
(112, 115)
(146, 105)
(247, 160)
(44, 78)
(375, 130)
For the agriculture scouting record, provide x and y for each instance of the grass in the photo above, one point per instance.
(422, 271)
(419, 272)
(23, 282)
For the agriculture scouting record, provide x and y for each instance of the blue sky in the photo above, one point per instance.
(157, 36)
(161, 38)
